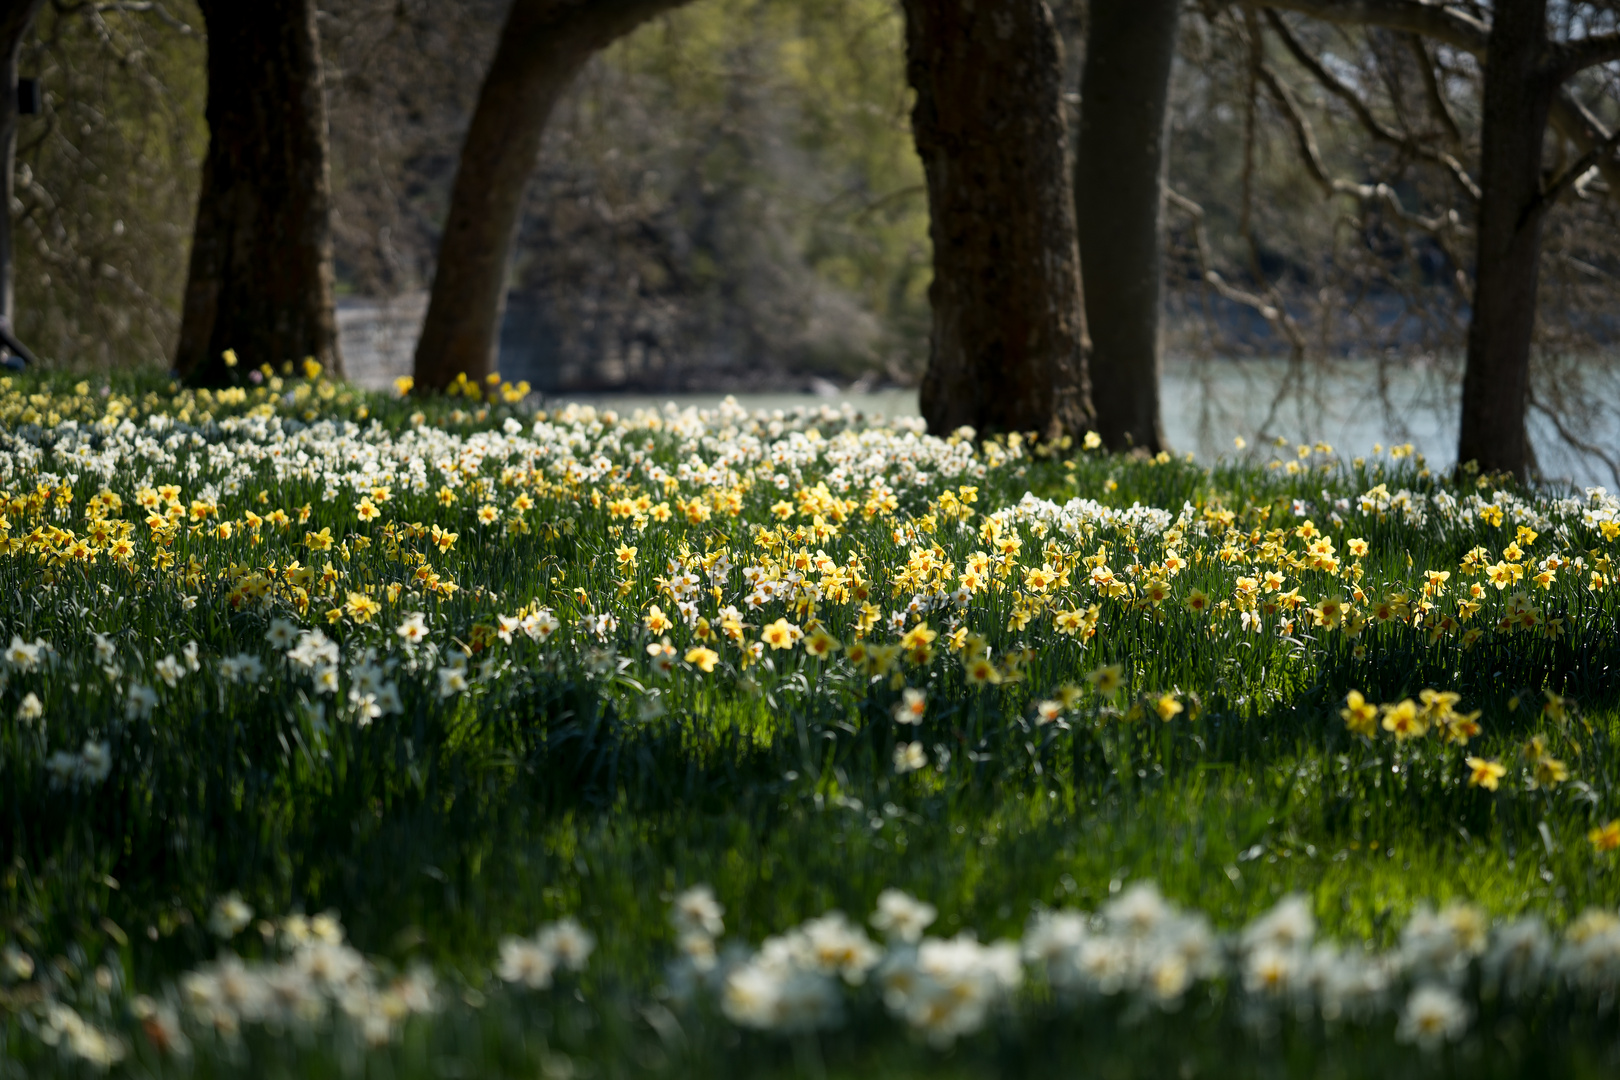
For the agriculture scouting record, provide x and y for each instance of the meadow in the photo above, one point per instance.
(350, 734)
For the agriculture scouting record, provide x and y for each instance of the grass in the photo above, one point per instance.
(573, 780)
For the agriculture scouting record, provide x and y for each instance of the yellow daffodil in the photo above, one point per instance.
(1360, 715)
(1404, 721)
(1485, 773)
(780, 634)
(1106, 680)
(703, 659)
(656, 621)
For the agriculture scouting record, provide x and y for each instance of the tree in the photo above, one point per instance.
(16, 17)
(101, 266)
(543, 45)
(1496, 381)
(1008, 350)
(261, 276)
(1119, 195)
(1525, 72)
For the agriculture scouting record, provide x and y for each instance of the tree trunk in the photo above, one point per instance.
(1496, 381)
(542, 47)
(260, 280)
(16, 18)
(1009, 335)
(1119, 205)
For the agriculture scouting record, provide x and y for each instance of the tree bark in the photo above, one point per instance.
(1008, 351)
(260, 280)
(542, 47)
(1496, 380)
(1120, 171)
(16, 19)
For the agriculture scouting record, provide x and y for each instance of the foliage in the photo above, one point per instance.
(750, 175)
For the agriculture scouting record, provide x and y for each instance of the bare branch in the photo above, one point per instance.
(1443, 24)
(1273, 313)
(1577, 124)
(1584, 164)
(1432, 91)
(1567, 58)
(1330, 82)
(1303, 136)
(1382, 194)
(1450, 27)
(1564, 432)
(1376, 128)
(129, 7)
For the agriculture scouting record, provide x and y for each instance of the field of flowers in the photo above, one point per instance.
(348, 734)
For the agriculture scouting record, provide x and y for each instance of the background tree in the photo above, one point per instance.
(1008, 351)
(402, 79)
(730, 199)
(1120, 169)
(1523, 74)
(543, 45)
(106, 181)
(727, 199)
(261, 277)
(1523, 85)
(16, 19)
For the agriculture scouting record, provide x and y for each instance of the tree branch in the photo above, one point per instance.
(1571, 175)
(1572, 439)
(1375, 127)
(128, 7)
(1432, 89)
(1450, 27)
(1274, 314)
(1446, 25)
(1382, 194)
(1303, 136)
(1566, 58)
(1577, 124)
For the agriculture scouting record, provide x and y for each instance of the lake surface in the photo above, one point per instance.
(1351, 405)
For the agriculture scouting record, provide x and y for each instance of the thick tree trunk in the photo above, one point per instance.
(1496, 381)
(1009, 334)
(261, 258)
(1119, 205)
(16, 18)
(542, 47)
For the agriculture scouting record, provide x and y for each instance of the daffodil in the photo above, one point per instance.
(1404, 721)
(821, 644)
(780, 634)
(1605, 837)
(361, 607)
(918, 637)
(1360, 715)
(656, 621)
(1106, 680)
(909, 757)
(912, 706)
(1550, 772)
(982, 672)
(1485, 773)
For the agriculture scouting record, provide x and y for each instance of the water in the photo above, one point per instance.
(1351, 405)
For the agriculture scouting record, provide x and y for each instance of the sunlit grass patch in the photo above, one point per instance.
(461, 671)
